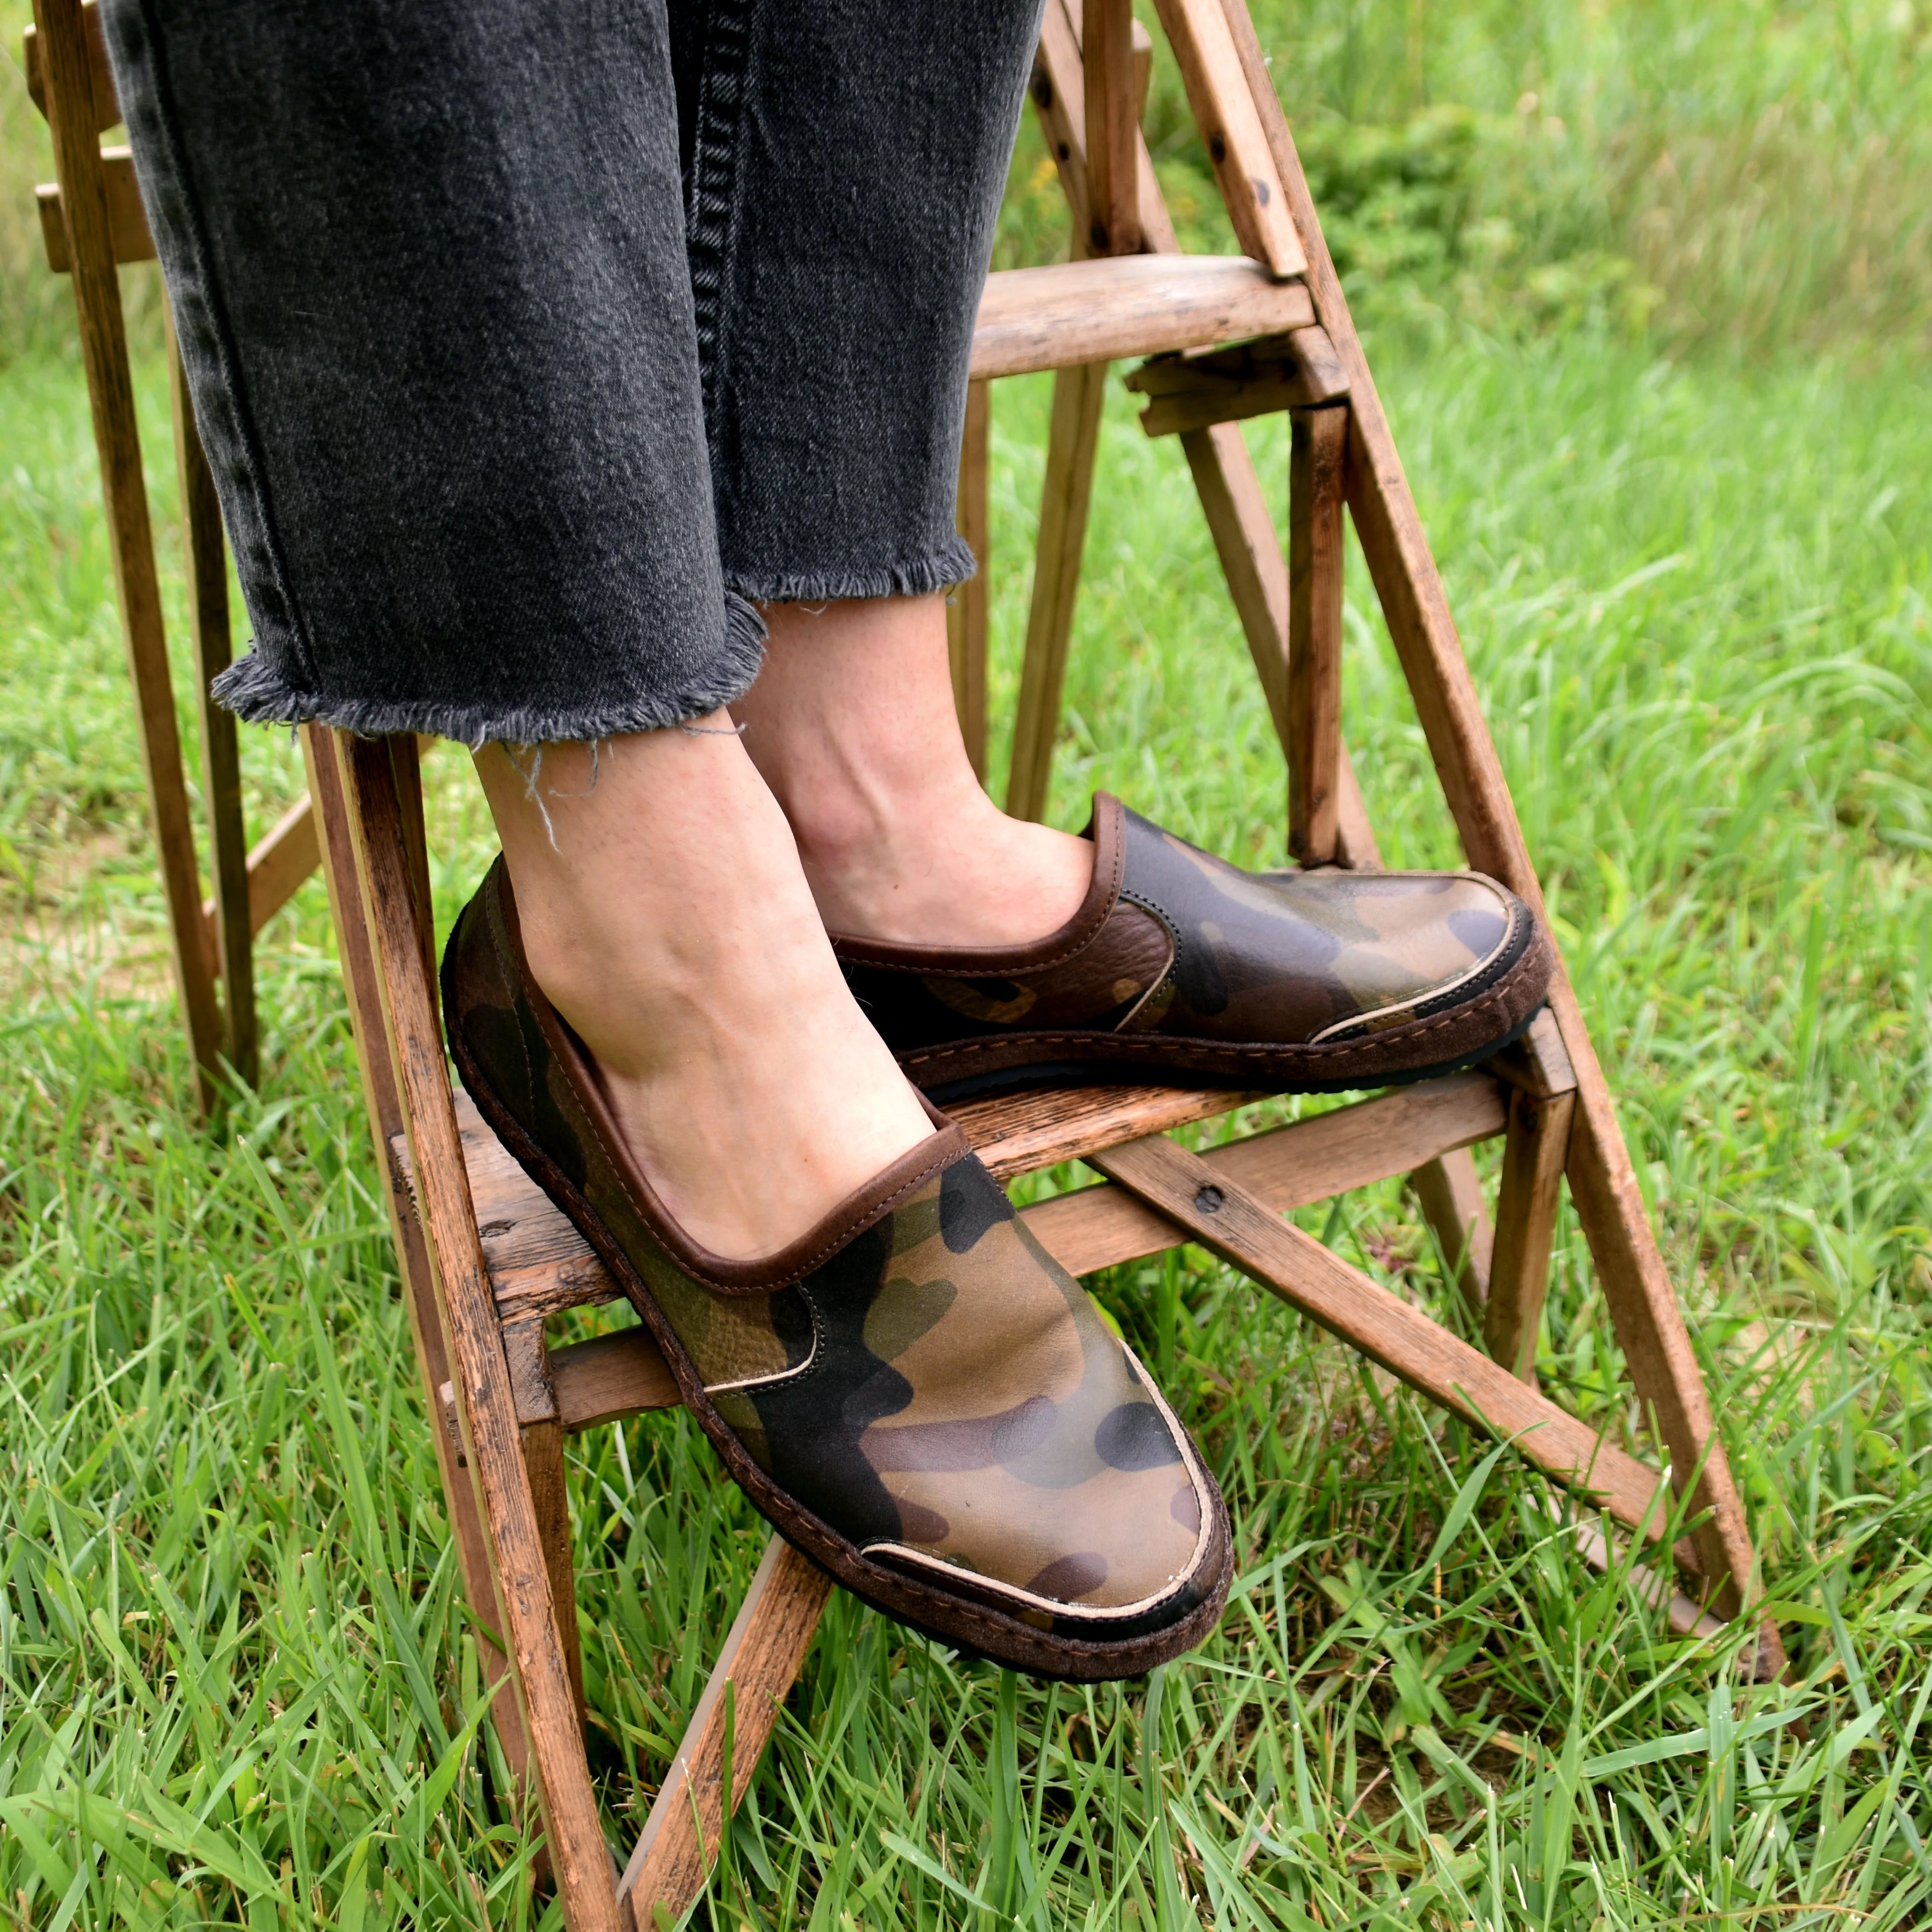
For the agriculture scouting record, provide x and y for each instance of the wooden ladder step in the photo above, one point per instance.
(106, 107)
(1128, 306)
(127, 219)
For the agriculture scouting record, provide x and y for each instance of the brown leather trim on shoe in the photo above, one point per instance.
(1107, 829)
(763, 1273)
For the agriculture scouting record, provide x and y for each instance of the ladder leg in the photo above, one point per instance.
(762, 1653)
(966, 615)
(1077, 394)
(385, 849)
(1536, 1145)
(207, 559)
(1320, 444)
(103, 345)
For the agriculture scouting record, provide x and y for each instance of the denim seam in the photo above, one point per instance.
(711, 220)
(202, 329)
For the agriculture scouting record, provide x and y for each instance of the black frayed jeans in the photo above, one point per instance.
(530, 339)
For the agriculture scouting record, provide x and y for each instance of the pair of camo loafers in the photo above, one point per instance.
(913, 1392)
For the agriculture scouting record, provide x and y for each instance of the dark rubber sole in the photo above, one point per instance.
(962, 1623)
(1419, 1049)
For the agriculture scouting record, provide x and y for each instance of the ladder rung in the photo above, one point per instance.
(127, 219)
(1128, 306)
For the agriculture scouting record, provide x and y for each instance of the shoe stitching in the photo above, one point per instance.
(1441, 990)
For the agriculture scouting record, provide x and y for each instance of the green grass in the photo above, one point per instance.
(237, 1683)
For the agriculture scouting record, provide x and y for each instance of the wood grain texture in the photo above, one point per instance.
(1451, 1196)
(1127, 306)
(68, 88)
(609, 1376)
(1318, 445)
(1535, 1152)
(966, 610)
(225, 920)
(128, 233)
(105, 107)
(320, 754)
(385, 847)
(1224, 112)
(550, 1498)
(1284, 1168)
(763, 1652)
(1073, 439)
(1016, 1133)
(1113, 127)
(1643, 1306)
(1223, 1217)
(1233, 386)
(279, 862)
(1538, 1062)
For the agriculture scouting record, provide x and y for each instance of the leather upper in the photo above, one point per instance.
(915, 1372)
(1172, 941)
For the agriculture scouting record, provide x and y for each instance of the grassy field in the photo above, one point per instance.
(1683, 515)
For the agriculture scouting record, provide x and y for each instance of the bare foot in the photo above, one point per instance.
(666, 917)
(852, 724)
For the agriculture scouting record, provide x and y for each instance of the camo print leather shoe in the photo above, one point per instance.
(914, 1392)
(1180, 963)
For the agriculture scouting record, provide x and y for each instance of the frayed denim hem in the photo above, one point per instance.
(952, 563)
(255, 689)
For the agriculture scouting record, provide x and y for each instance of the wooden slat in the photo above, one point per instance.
(1643, 1305)
(1538, 1062)
(1533, 1154)
(104, 106)
(1113, 127)
(966, 612)
(1223, 1216)
(1284, 1168)
(230, 950)
(1017, 1133)
(1225, 112)
(396, 925)
(68, 88)
(1296, 371)
(1073, 438)
(1319, 442)
(279, 862)
(384, 1108)
(763, 1652)
(609, 1376)
(1127, 306)
(128, 233)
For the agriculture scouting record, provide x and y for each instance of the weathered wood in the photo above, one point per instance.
(1059, 90)
(279, 862)
(1225, 1218)
(226, 916)
(384, 1108)
(1297, 370)
(1535, 1150)
(1073, 439)
(386, 869)
(966, 612)
(763, 1652)
(1226, 113)
(1537, 1062)
(1018, 1133)
(550, 1498)
(1450, 1197)
(68, 89)
(609, 1376)
(102, 104)
(1319, 441)
(1649, 1323)
(1113, 128)
(1284, 1168)
(128, 234)
(1127, 306)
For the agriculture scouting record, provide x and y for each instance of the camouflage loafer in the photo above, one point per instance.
(914, 1392)
(1180, 963)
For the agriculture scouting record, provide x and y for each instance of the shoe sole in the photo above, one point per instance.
(960, 1623)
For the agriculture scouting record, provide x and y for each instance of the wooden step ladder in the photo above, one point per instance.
(486, 1260)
